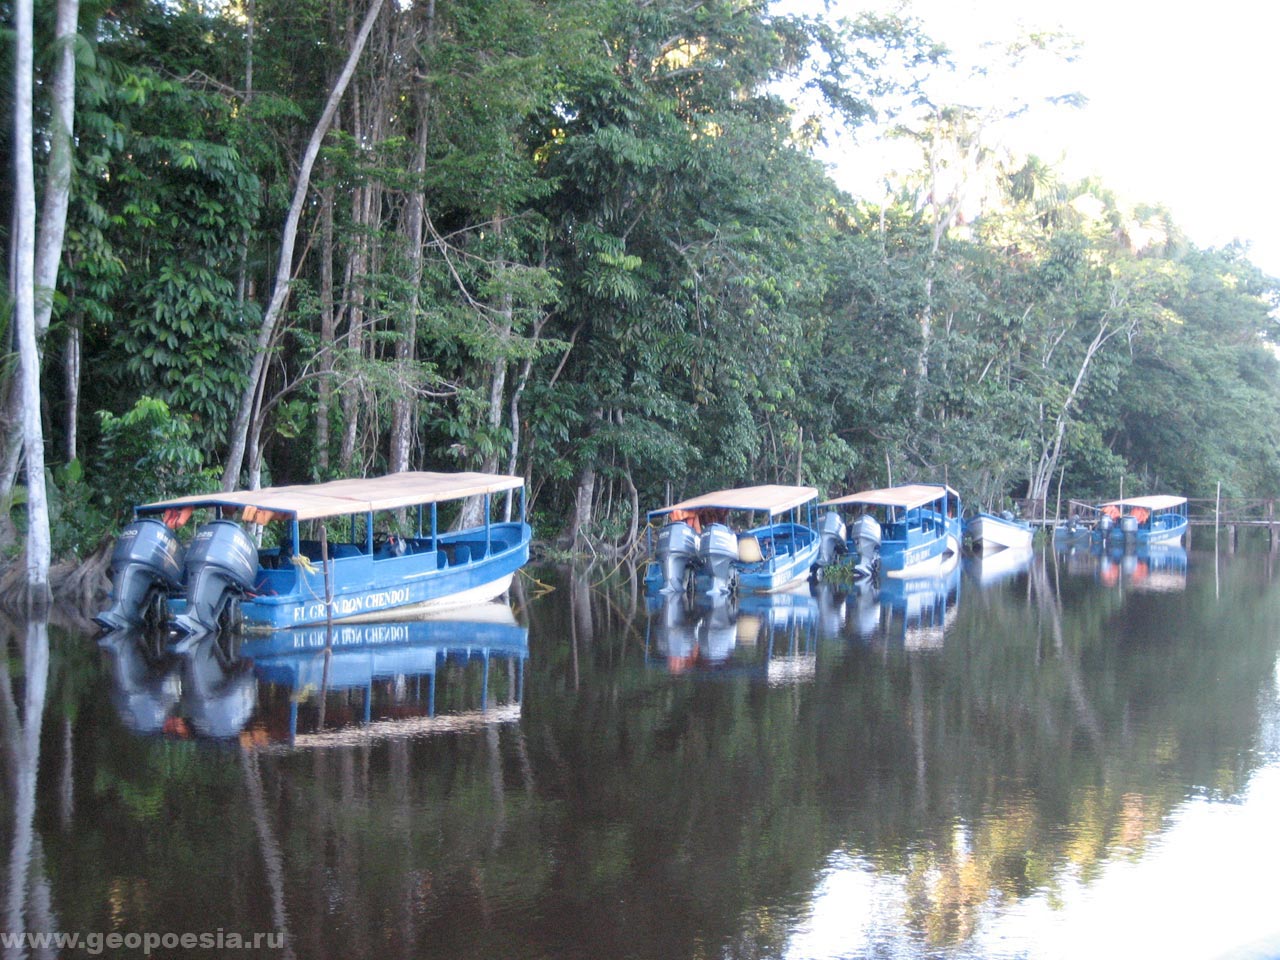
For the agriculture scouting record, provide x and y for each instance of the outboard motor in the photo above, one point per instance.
(145, 566)
(221, 565)
(676, 554)
(831, 543)
(866, 540)
(716, 554)
(1105, 523)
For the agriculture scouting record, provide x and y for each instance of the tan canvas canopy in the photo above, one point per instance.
(1148, 503)
(907, 496)
(339, 498)
(773, 498)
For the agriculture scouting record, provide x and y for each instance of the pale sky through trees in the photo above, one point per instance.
(1179, 104)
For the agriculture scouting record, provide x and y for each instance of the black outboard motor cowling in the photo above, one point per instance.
(146, 563)
(716, 554)
(676, 553)
(222, 563)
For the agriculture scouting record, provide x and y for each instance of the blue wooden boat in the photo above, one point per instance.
(698, 550)
(912, 530)
(990, 532)
(395, 560)
(1155, 519)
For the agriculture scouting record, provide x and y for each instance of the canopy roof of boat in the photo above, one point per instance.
(773, 498)
(1148, 503)
(907, 496)
(339, 498)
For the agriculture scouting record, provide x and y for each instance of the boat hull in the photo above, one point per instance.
(369, 590)
(1166, 534)
(928, 557)
(990, 533)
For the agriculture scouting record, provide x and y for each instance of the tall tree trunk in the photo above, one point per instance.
(1051, 447)
(574, 533)
(39, 274)
(57, 186)
(357, 273)
(23, 286)
(284, 267)
(403, 407)
(513, 451)
(324, 388)
(71, 378)
(498, 367)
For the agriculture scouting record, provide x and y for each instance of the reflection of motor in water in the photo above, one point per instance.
(199, 689)
(919, 611)
(772, 635)
(1154, 568)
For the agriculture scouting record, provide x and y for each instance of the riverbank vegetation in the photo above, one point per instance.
(588, 241)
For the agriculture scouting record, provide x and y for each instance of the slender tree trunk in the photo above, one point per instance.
(71, 376)
(1042, 476)
(357, 273)
(324, 388)
(513, 452)
(24, 297)
(57, 187)
(584, 499)
(45, 250)
(284, 267)
(403, 407)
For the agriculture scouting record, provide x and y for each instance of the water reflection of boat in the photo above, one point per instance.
(392, 666)
(920, 610)
(207, 687)
(989, 568)
(769, 635)
(1149, 567)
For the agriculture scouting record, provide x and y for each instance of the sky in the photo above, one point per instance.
(1181, 104)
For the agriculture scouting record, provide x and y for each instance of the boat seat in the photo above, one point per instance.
(749, 549)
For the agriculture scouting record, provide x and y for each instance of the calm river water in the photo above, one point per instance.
(1075, 757)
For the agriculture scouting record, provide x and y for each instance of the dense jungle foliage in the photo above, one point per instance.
(589, 241)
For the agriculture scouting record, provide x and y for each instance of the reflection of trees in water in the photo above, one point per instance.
(633, 813)
(27, 905)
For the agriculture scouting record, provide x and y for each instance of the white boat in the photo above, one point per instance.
(989, 532)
